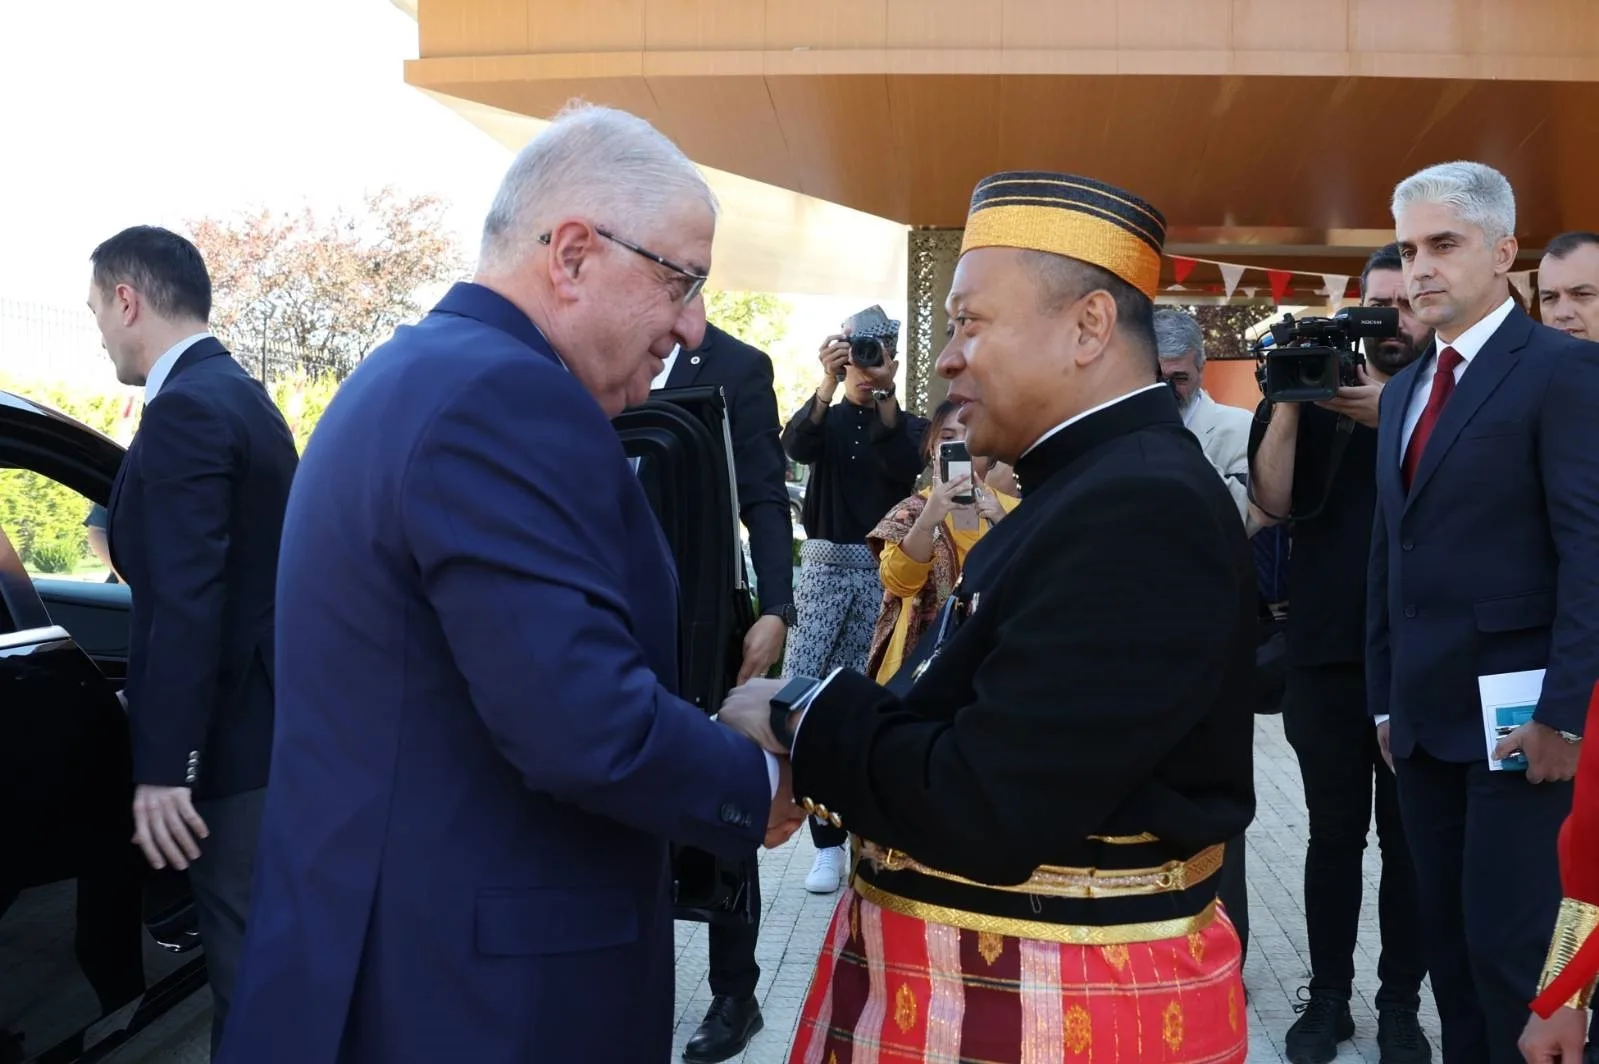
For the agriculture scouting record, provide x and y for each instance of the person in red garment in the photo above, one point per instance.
(1559, 1024)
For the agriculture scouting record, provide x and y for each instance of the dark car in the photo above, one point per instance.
(94, 945)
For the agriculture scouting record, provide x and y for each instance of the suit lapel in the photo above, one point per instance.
(1481, 379)
(687, 368)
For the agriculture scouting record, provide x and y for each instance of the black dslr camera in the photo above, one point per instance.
(1308, 360)
(871, 333)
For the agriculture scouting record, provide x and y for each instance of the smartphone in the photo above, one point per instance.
(954, 462)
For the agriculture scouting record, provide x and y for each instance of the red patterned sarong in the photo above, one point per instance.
(895, 988)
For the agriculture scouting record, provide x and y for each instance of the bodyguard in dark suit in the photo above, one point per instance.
(744, 374)
(194, 520)
(480, 761)
(1484, 559)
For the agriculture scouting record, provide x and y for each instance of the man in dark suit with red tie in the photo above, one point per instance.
(1484, 560)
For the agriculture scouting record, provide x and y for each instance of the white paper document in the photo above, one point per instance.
(1508, 701)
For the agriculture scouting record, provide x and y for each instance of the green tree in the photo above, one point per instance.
(761, 320)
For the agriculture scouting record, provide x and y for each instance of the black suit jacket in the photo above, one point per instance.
(1490, 562)
(1100, 683)
(196, 513)
(744, 374)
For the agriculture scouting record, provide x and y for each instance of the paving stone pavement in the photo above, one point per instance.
(794, 922)
(1278, 964)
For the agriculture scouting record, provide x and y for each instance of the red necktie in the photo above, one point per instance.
(1443, 386)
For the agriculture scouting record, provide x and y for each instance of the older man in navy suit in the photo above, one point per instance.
(1484, 560)
(480, 760)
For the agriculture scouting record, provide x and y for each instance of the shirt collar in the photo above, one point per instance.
(1468, 343)
(1092, 410)
(163, 366)
(666, 369)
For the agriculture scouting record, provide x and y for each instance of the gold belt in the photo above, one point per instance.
(1060, 882)
(1038, 930)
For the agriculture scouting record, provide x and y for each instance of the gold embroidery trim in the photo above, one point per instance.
(1038, 930)
(1576, 921)
(1125, 840)
(1061, 882)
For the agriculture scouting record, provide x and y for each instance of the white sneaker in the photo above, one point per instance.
(828, 871)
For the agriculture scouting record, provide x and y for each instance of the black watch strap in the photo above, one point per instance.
(784, 703)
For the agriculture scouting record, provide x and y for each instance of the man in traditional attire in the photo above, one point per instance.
(1042, 802)
(1560, 1023)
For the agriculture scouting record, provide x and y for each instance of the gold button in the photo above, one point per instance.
(821, 811)
(810, 806)
(837, 821)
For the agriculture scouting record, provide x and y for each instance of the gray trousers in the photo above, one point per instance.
(220, 880)
(838, 596)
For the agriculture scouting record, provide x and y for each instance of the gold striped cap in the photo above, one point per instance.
(1068, 215)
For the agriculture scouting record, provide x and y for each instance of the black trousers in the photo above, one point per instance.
(734, 972)
(1232, 888)
(1484, 846)
(1325, 719)
(824, 835)
(220, 880)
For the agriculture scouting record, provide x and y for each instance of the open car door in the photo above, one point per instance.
(681, 451)
(93, 944)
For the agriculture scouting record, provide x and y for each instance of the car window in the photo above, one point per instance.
(58, 532)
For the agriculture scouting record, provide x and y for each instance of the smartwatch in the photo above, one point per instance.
(785, 702)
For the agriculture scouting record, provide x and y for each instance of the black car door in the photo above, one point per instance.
(680, 449)
(93, 945)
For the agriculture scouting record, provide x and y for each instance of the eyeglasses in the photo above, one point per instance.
(696, 281)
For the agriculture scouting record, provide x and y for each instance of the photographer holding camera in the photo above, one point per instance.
(865, 455)
(1313, 465)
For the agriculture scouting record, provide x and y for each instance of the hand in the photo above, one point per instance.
(1559, 1038)
(1358, 402)
(1383, 730)
(747, 709)
(786, 817)
(882, 376)
(941, 500)
(165, 824)
(763, 645)
(834, 355)
(1550, 759)
(988, 504)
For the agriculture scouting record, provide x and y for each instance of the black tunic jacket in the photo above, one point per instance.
(1099, 683)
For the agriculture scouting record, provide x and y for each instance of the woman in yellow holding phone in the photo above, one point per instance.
(922, 542)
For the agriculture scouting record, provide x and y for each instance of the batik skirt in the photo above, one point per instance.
(892, 987)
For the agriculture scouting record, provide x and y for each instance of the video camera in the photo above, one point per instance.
(871, 332)
(1308, 360)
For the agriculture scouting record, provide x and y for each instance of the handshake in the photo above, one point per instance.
(748, 711)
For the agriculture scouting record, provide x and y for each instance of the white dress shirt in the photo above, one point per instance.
(659, 381)
(163, 366)
(1466, 345)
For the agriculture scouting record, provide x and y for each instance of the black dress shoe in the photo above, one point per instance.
(729, 1025)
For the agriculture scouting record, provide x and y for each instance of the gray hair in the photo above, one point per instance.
(599, 163)
(1477, 194)
(1177, 333)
